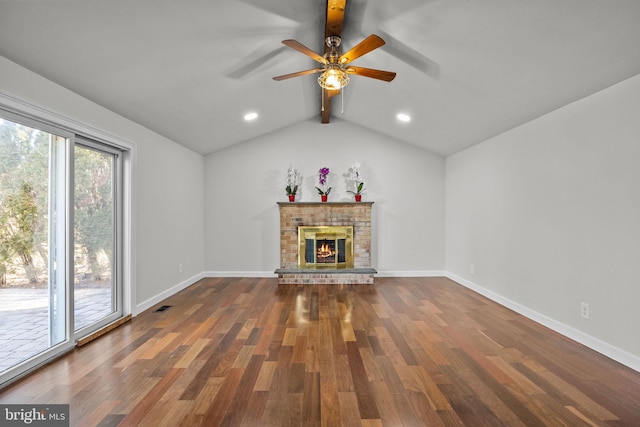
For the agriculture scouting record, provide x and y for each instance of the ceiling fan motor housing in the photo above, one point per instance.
(333, 41)
(332, 57)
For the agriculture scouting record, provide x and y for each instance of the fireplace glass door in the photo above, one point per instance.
(325, 247)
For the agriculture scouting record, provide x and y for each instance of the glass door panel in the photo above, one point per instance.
(96, 294)
(33, 315)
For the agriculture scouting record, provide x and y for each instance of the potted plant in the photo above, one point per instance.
(292, 182)
(356, 180)
(322, 180)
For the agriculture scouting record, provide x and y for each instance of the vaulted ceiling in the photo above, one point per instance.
(190, 70)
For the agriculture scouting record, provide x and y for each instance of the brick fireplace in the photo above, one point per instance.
(298, 216)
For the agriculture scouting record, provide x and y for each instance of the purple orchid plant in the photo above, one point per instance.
(322, 180)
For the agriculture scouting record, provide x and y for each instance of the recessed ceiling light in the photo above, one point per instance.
(251, 116)
(403, 117)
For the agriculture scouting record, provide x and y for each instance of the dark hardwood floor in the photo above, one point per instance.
(403, 352)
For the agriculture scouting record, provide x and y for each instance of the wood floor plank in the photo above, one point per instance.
(300, 349)
(199, 381)
(405, 351)
(518, 407)
(208, 393)
(575, 411)
(485, 395)
(238, 406)
(576, 395)
(311, 401)
(265, 376)
(363, 388)
(371, 365)
(255, 409)
(143, 408)
(399, 393)
(416, 379)
(516, 377)
(296, 378)
(401, 344)
(218, 409)
(165, 414)
(388, 411)
(136, 354)
(425, 414)
(329, 401)
(159, 346)
(349, 413)
(99, 413)
(189, 356)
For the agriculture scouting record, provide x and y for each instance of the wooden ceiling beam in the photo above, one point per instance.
(335, 18)
(333, 27)
(325, 112)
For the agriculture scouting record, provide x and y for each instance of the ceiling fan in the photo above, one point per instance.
(335, 68)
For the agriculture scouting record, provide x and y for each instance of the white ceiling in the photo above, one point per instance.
(190, 70)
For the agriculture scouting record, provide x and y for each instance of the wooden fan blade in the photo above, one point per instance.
(387, 76)
(303, 49)
(365, 46)
(299, 73)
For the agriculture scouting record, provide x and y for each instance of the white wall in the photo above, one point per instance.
(168, 185)
(549, 215)
(244, 182)
(170, 205)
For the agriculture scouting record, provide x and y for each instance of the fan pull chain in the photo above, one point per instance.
(342, 100)
(322, 96)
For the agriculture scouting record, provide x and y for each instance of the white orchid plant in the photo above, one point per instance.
(292, 180)
(356, 179)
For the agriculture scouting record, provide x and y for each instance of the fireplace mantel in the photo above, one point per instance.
(296, 214)
(293, 204)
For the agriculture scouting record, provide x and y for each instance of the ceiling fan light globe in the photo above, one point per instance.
(333, 79)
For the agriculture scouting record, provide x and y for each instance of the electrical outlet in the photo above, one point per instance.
(179, 268)
(472, 268)
(584, 310)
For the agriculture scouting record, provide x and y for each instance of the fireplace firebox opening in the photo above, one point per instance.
(325, 247)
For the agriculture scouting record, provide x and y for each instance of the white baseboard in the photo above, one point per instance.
(388, 273)
(621, 356)
(239, 274)
(145, 305)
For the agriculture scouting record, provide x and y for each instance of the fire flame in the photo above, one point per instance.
(324, 251)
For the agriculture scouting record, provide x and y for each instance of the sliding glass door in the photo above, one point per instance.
(60, 238)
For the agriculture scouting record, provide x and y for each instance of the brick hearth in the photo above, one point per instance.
(293, 215)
